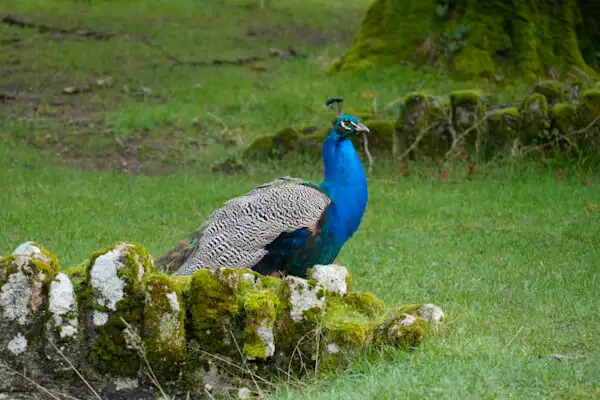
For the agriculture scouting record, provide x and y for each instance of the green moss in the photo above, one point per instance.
(275, 146)
(564, 117)
(554, 91)
(590, 105)
(347, 325)
(260, 306)
(365, 302)
(164, 324)
(534, 119)
(212, 306)
(402, 330)
(471, 39)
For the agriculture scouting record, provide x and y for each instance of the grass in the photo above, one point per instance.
(155, 113)
(512, 256)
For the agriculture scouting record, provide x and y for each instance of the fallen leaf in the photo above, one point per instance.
(444, 176)
(586, 181)
(403, 172)
(439, 284)
(559, 357)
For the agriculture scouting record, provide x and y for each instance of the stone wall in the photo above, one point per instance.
(116, 328)
(554, 116)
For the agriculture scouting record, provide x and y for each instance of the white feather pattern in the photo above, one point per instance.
(236, 234)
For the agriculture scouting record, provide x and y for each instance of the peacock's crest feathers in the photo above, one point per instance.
(237, 234)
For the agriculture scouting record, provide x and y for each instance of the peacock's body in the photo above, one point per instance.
(287, 225)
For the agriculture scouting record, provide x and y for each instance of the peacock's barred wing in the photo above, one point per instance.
(236, 234)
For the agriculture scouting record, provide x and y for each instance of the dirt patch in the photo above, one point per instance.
(307, 35)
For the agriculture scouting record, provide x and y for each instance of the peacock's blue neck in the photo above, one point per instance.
(346, 185)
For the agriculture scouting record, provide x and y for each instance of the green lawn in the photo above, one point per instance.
(512, 256)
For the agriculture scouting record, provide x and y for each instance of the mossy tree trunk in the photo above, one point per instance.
(473, 38)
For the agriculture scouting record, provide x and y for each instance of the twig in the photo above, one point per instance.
(260, 393)
(75, 369)
(584, 130)
(201, 63)
(368, 153)
(232, 364)
(40, 387)
(210, 396)
(457, 140)
(10, 20)
(416, 142)
(135, 341)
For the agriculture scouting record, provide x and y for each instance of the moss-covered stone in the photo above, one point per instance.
(275, 146)
(473, 38)
(112, 294)
(424, 118)
(590, 106)
(534, 119)
(191, 330)
(564, 117)
(25, 278)
(589, 111)
(164, 324)
(404, 330)
(554, 91)
(502, 130)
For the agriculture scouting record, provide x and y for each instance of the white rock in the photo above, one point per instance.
(303, 297)
(125, 383)
(26, 250)
(408, 321)
(332, 348)
(266, 335)
(18, 344)
(14, 298)
(432, 313)
(332, 276)
(100, 318)
(105, 280)
(62, 301)
(172, 297)
(244, 393)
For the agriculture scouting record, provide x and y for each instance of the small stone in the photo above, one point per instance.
(332, 277)
(303, 297)
(432, 314)
(244, 393)
(18, 345)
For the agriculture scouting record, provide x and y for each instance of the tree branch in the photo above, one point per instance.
(10, 20)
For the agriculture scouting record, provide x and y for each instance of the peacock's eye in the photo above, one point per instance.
(347, 125)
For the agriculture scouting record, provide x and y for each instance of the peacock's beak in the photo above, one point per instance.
(362, 128)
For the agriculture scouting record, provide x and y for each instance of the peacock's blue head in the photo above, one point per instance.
(348, 125)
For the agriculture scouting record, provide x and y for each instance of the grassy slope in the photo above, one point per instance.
(511, 257)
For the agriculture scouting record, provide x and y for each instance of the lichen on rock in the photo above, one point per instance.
(25, 278)
(110, 295)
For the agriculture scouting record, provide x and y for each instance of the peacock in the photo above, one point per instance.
(288, 225)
